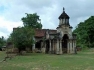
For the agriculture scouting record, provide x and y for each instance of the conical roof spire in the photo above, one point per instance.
(63, 15)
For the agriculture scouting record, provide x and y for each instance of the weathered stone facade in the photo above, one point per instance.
(61, 41)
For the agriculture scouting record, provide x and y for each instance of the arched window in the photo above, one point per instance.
(63, 20)
(67, 21)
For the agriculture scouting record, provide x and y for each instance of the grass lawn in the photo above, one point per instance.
(84, 60)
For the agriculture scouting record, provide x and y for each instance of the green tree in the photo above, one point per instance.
(90, 30)
(22, 37)
(2, 42)
(32, 20)
(85, 32)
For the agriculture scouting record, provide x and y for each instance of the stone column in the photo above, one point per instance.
(70, 46)
(41, 45)
(57, 49)
(44, 47)
(73, 46)
(61, 47)
(33, 48)
(53, 46)
(50, 46)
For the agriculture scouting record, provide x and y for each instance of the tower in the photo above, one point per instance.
(64, 25)
(65, 30)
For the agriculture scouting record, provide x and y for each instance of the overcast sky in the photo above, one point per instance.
(11, 12)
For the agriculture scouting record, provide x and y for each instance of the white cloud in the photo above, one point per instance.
(6, 27)
(48, 10)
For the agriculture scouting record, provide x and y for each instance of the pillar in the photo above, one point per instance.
(57, 49)
(70, 46)
(61, 47)
(53, 46)
(41, 45)
(50, 46)
(44, 47)
(73, 46)
(33, 48)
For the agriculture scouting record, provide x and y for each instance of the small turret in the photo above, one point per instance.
(64, 18)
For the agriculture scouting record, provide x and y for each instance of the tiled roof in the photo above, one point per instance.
(41, 32)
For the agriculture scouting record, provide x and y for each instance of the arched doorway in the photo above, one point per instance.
(64, 43)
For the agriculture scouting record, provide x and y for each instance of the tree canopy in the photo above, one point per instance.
(85, 32)
(32, 20)
(22, 37)
(2, 41)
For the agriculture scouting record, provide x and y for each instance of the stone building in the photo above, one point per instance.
(57, 41)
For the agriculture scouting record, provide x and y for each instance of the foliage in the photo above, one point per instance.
(2, 41)
(9, 39)
(22, 37)
(32, 20)
(85, 33)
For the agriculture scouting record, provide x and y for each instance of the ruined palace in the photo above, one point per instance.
(57, 41)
